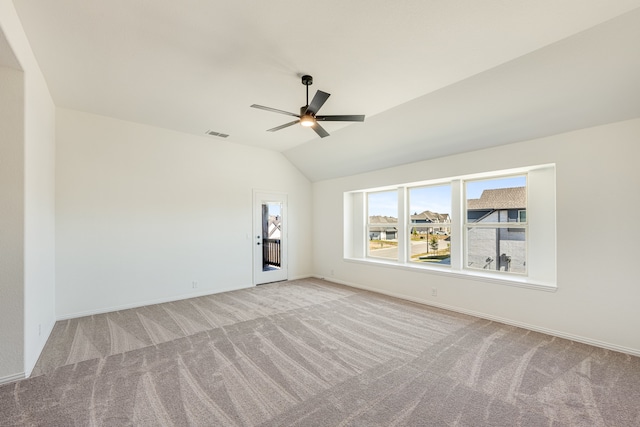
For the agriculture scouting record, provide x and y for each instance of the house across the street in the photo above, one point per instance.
(498, 247)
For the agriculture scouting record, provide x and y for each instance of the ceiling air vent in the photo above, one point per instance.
(214, 133)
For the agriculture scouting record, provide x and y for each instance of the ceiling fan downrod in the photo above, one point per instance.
(307, 81)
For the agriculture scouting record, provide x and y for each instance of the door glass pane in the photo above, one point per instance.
(271, 233)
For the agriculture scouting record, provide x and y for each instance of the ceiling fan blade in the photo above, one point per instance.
(342, 118)
(274, 110)
(286, 125)
(319, 130)
(317, 102)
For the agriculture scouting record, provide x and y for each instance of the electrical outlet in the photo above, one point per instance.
(332, 272)
(194, 284)
(434, 292)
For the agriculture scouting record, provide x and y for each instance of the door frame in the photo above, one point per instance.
(259, 275)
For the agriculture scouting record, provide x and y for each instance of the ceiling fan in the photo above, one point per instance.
(308, 113)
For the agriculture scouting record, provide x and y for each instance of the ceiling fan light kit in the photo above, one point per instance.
(307, 120)
(308, 113)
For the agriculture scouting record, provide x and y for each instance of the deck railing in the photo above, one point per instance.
(271, 252)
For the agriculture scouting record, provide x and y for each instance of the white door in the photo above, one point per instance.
(269, 237)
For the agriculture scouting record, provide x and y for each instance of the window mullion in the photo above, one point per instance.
(402, 225)
(457, 229)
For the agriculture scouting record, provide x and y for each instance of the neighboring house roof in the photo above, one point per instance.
(500, 198)
(275, 220)
(378, 219)
(431, 217)
(274, 224)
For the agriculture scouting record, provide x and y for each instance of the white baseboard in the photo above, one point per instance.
(12, 378)
(300, 277)
(149, 302)
(160, 301)
(43, 342)
(555, 333)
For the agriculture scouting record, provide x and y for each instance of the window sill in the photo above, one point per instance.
(509, 280)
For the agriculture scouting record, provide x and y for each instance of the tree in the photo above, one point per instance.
(433, 243)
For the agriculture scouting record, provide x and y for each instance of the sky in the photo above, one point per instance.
(274, 208)
(475, 188)
(435, 198)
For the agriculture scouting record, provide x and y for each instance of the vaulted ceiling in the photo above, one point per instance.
(433, 77)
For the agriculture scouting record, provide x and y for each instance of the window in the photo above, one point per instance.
(522, 216)
(430, 224)
(497, 226)
(382, 224)
(492, 208)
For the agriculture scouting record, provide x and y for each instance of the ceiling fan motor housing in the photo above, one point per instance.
(303, 111)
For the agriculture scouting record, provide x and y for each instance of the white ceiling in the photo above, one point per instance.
(433, 77)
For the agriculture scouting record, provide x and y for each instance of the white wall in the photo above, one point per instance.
(597, 179)
(30, 308)
(11, 222)
(40, 157)
(143, 212)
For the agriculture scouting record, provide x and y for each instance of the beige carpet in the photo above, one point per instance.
(310, 353)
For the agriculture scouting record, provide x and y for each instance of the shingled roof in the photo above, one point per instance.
(431, 217)
(379, 219)
(500, 198)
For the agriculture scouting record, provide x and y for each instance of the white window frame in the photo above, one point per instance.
(520, 212)
(541, 231)
(395, 225)
(467, 226)
(410, 225)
